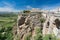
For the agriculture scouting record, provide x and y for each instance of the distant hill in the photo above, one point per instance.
(8, 14)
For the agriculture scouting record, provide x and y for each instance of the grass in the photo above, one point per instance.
(6, 25)
(49, 37)
(38, 34)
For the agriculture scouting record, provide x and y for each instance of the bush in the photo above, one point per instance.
(49, 37)
(26, 11)
(46, 37)
(42, 20)
(38, 34)
(38, 37)
(27, 36)
(38, 30)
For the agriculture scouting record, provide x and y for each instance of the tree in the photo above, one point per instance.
(26, 11)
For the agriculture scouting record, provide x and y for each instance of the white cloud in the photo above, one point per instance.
(7, 7)
(7, 4)
(29, 7)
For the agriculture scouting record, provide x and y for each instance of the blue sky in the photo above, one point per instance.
(16, 5)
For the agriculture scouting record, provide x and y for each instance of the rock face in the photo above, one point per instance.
(26, 24)
(53, 27)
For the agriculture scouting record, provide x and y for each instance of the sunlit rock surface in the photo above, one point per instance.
(54, 25)
(26, 23)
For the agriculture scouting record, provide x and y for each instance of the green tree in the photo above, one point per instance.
(26, 11)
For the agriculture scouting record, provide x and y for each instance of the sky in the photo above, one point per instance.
(17, 5)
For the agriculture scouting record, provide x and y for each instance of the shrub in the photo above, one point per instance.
(42, 20)
(49, 37)
(26, 11)
(46, 37)
(27, 36)
(38, 35)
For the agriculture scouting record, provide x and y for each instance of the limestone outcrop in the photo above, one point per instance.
(27, 24)
(53, 26)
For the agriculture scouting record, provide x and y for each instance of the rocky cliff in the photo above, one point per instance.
(26, 25)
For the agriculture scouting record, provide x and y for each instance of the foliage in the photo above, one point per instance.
(38, 37)
(38, 30)
(46, 37)
(42, 20)
(49, 37)
(27, 37)
(6, 25)
(38, 34)
(26, 11)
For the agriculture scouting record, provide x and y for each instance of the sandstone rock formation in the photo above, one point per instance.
(53, 27)
(27, 24)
